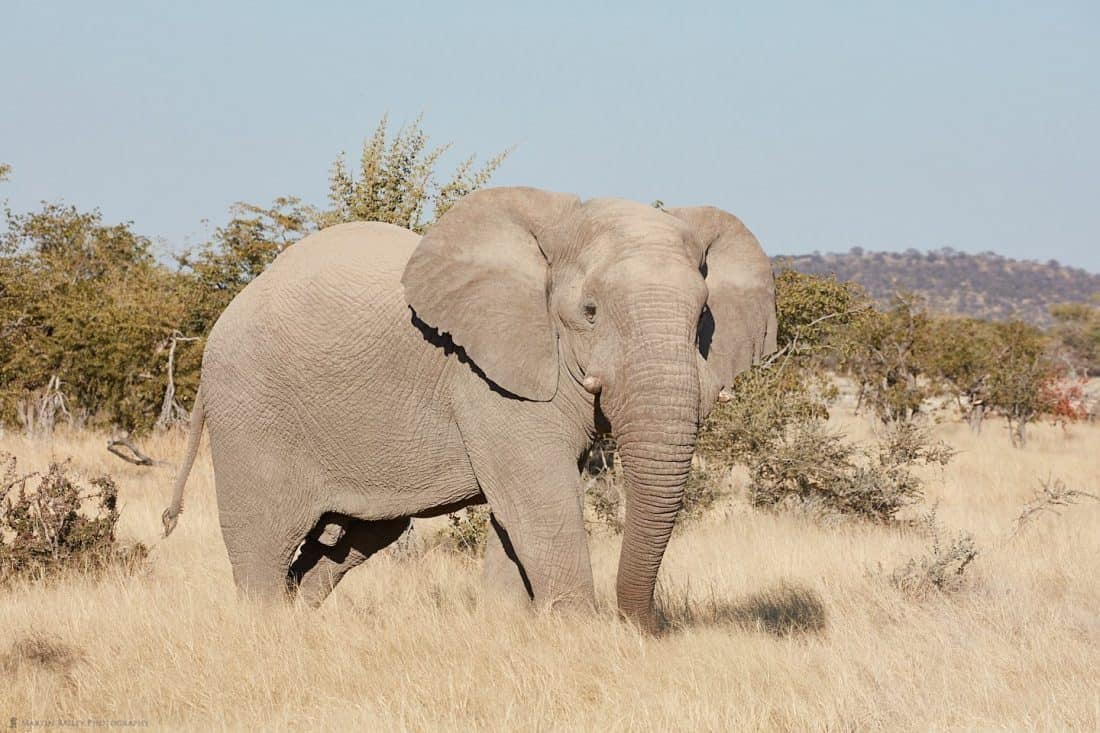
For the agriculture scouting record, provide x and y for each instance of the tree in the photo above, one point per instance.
(1021, 377)
(398, 180)
(84, 308)
(812, 310)
(887, 353)
(961, 356)
(1077, 331)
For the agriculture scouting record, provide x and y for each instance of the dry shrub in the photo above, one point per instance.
(466, 531)
(811, 468)
(605, 500)
(605, 496)
(775, 425)
(943, 568)
(51, 522)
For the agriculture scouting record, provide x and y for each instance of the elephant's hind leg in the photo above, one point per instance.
(263, 517)
(260, 569)
(338, 544)
(261, 540)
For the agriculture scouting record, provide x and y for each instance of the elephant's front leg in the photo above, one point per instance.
(535, 498)
(504, 576)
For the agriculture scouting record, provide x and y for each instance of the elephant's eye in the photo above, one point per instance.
(590, 312)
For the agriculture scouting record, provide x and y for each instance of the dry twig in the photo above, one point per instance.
(1050, 496)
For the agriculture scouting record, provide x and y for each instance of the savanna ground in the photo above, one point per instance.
(776, 622)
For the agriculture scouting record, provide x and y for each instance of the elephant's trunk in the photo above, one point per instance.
(655, 431)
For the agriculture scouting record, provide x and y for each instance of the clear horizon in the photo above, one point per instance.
(825, 129)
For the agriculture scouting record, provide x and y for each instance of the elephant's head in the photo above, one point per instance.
(647, 313)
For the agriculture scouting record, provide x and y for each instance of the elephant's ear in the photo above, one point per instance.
(739, 326)
(480, 274)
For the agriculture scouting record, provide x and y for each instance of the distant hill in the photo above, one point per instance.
(985, 285)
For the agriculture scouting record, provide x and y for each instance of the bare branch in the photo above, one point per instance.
(1050, 495)
(792, 347)
(136, 456)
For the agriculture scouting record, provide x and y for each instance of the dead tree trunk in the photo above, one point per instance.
(38, 415)
(171, 411)
(977, 417)
(1018, 430)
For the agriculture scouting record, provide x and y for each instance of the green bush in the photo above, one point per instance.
(775, 422)
(85, 311)
(764, 404)
(814, 311)
(1077, 331)
(397, 181)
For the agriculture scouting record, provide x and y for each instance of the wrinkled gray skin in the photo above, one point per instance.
(370, 375)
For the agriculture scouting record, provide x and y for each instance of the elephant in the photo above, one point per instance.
(371, 375)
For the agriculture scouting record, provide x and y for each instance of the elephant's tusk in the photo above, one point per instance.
(592, 384)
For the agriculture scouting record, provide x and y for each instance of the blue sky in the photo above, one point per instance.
(884, 125)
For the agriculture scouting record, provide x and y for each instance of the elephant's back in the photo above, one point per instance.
(372, 250)
(339, 283)
(328, 313)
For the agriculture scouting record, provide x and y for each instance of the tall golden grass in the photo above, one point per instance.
(775, 623)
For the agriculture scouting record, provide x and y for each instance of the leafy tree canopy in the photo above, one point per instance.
(88, 315)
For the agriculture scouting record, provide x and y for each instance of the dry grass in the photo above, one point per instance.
(776, 623)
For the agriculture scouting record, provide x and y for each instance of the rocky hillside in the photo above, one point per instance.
(984, 285)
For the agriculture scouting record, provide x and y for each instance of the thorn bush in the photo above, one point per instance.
(943, 568)
(52, 522)
(811, 467)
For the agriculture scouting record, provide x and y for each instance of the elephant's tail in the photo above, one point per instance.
(172, 513)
